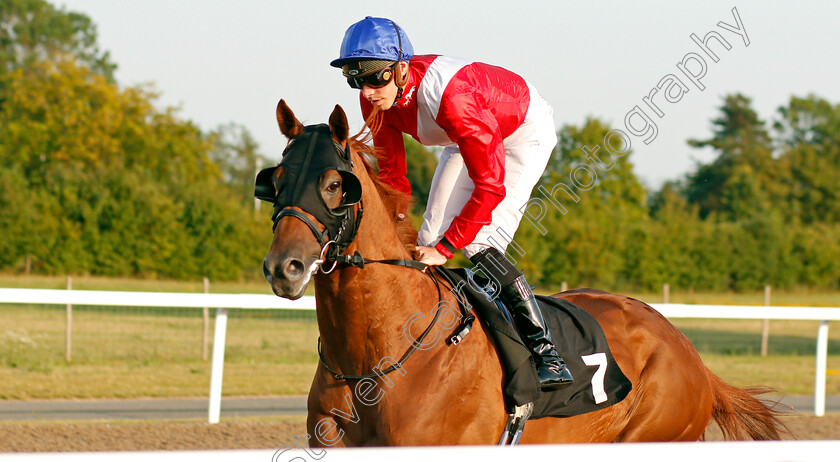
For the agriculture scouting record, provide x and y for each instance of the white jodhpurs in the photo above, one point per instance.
(527, 151)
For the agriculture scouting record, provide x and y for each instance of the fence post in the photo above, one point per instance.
(205, 331)
(666, 293)
(564, 286)
(765, 329)
(68, 326)
(214, 408)
(821, 367)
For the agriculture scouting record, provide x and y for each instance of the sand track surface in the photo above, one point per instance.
(27, 437)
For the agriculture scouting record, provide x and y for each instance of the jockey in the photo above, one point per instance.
(498, 134)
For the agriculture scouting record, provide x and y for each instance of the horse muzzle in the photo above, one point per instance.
(289, 276)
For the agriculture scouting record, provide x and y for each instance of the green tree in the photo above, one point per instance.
(118, 187)
(34, 30)
(61, 112)
(661, 249)
(235, 151)
(24, 225)
(816, 252)
(599, 199)
(58, 111)
(613, 182)
(742, 180)
(809, 140)
(224, 239)
(95, 179)
(421, 168)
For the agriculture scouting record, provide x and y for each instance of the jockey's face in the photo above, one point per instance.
(384, 97)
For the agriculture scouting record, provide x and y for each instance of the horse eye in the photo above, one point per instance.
(334, 186)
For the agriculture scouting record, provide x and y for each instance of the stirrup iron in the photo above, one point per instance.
(516, 424)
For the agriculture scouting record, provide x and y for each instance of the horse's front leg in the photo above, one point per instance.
(333, 418)
(320, 433)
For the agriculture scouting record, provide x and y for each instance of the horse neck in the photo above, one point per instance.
(362, 311)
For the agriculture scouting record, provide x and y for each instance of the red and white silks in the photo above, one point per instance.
(498, 134)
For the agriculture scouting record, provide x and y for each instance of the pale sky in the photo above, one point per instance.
(224, 61)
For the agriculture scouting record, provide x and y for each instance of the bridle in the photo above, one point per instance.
(307, 157)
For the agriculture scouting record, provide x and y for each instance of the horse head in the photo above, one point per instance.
(315, 189)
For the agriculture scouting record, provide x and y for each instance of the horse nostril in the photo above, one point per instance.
(293, 269)
(266, 272)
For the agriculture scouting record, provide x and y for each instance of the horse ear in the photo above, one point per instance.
(289, 125)
(338, 124)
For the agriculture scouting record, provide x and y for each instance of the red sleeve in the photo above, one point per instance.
(467, 120)
(391, 153)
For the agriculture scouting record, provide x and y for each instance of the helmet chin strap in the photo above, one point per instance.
(399, 79)
(399, 95)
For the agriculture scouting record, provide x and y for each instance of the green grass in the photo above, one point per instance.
(121, 353)
(732, 350)
(743, 337)
(157, 352)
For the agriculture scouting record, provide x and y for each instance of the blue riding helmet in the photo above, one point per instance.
(374, 38)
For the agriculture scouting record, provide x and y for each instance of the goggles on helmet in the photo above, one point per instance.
(358, 77)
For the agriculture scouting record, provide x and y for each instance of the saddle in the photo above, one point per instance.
(579, 339)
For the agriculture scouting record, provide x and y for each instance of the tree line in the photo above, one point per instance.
(94, 179)
(765, 211)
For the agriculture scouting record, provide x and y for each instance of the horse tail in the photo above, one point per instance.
(740, 415)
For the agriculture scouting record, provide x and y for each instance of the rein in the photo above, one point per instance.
(358, 261)
(305, 159)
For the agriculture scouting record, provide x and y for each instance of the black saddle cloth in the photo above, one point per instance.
(579, 339)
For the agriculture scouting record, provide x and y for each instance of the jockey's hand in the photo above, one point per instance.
(430, 256)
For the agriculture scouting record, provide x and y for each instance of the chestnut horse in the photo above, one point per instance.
(452, 394)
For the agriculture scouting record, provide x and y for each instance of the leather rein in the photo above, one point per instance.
(356, 260)
(331, 251)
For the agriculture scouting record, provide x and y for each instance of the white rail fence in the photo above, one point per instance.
(224, 302)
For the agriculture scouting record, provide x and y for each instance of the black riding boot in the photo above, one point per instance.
(528, 319)
(516, 294)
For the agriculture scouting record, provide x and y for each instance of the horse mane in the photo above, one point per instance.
(396, 202)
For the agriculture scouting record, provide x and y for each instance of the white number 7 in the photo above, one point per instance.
(600, 360)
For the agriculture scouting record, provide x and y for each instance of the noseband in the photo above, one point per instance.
(307, 157)
(305, 160)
